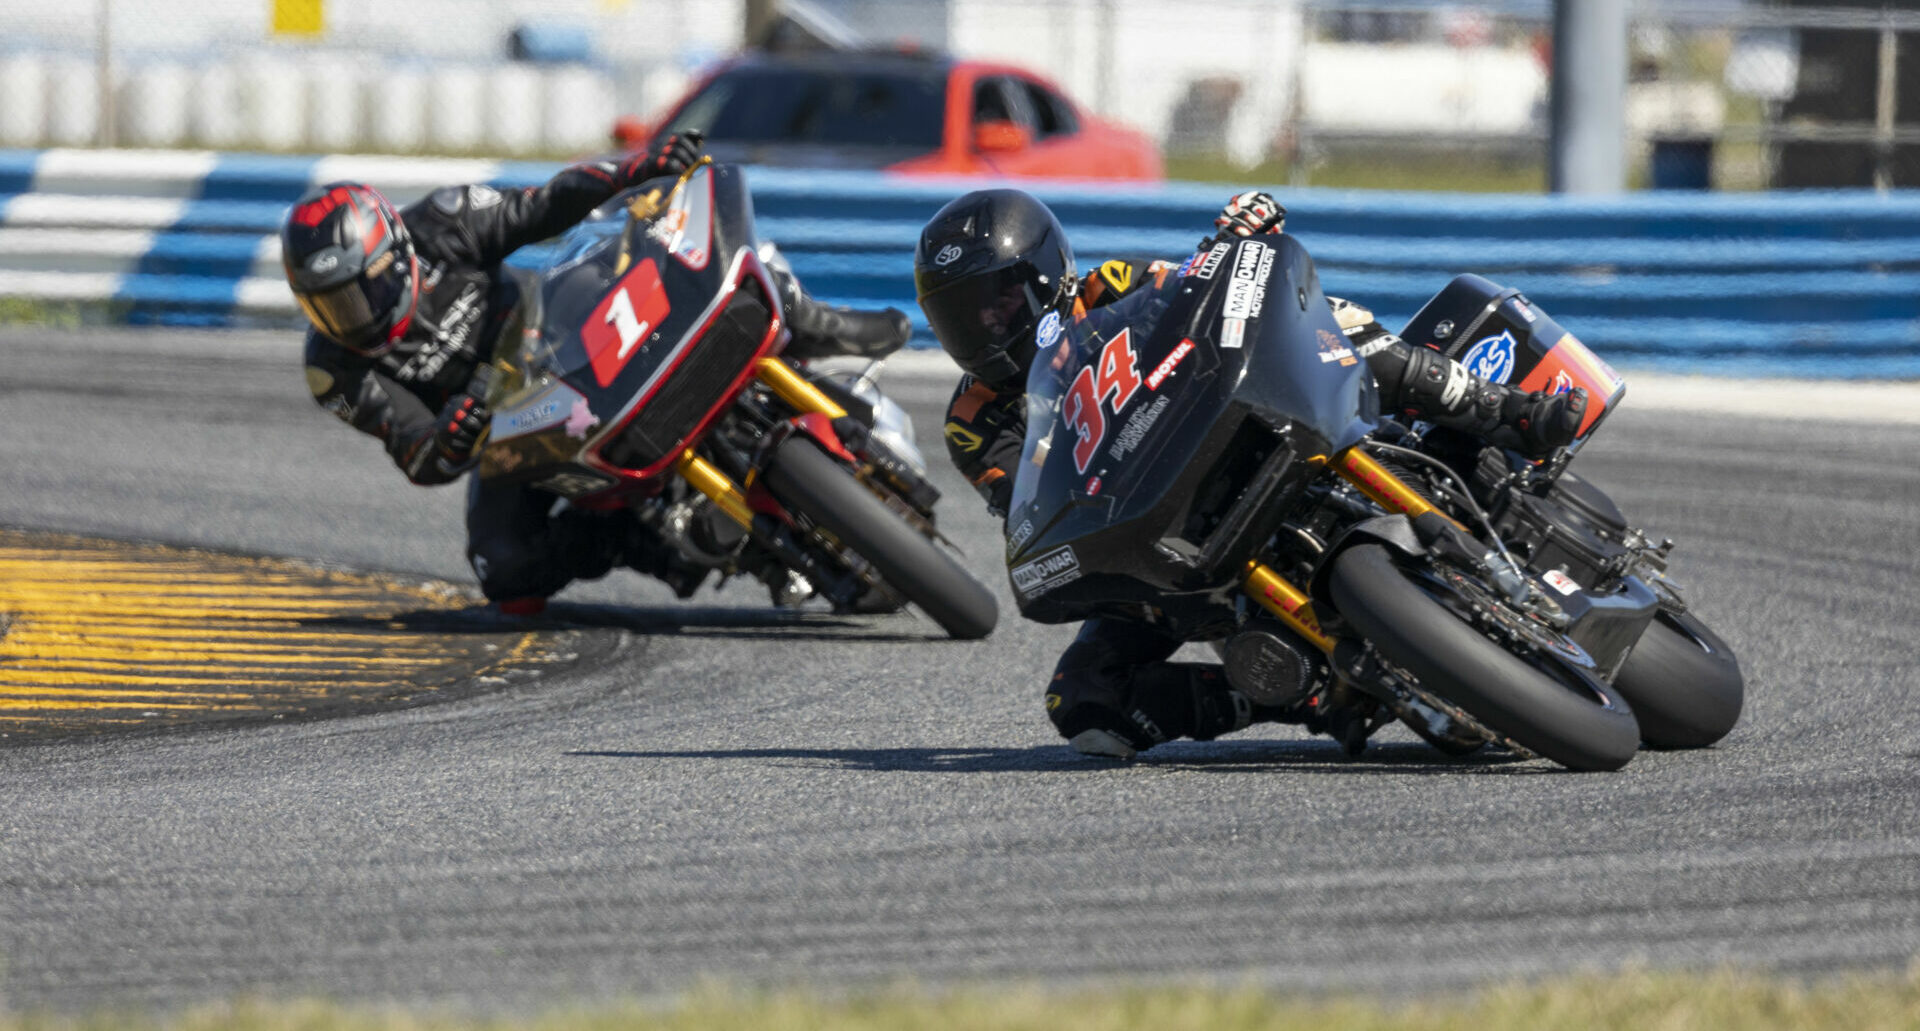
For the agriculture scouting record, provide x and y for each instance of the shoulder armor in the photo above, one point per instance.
(449, 199)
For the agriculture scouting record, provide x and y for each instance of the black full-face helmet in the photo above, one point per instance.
(990, 268)
(351, 265)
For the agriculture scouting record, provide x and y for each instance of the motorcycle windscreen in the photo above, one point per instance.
(1301, 368)
(1103, 399)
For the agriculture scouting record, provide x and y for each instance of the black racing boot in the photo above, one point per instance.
(1171, 699)
(824, 331)
(644, 551)
(1441, 391)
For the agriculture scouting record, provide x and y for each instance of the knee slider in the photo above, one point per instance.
(506, 571)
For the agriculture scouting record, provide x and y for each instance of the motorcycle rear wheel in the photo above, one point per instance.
(804, 477)
(1578, 722)
(1683, 682)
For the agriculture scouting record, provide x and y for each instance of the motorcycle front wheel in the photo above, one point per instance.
(1683, 683)
(805, 478)
(1576, 721)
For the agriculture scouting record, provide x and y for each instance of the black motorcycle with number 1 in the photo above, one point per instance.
(642, 369)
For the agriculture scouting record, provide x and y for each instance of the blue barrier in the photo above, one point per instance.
(1806, 283)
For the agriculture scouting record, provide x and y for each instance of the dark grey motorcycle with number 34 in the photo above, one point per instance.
(1208, 456)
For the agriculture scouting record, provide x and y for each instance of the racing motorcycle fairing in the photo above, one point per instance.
(1163, 431)
(1501, 336)
(633, 340)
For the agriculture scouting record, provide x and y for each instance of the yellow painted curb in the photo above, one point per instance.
(98, 634)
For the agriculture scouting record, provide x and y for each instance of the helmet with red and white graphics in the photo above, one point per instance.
(351, 265)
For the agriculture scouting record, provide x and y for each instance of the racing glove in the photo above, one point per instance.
(456, 434)
(1536, 423)
(1251, 214)
(675, 155)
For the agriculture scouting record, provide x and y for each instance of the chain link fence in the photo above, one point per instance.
(1724, 94)
(1721, 94)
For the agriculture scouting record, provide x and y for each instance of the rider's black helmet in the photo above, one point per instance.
(351, 265)
(990, 267)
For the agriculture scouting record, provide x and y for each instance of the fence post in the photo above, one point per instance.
(104, 64)
(1589, 131)
(1883, 109)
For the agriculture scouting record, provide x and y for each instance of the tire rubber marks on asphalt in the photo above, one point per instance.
(100, 634)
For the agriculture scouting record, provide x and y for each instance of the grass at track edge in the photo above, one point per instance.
(1630, 1001)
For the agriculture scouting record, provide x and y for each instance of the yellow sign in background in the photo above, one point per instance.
(299, 17)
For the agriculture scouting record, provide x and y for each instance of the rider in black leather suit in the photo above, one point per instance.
(406, 308)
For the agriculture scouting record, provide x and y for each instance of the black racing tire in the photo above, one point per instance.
(806, 478)
(1683, 682)
(1583, 728)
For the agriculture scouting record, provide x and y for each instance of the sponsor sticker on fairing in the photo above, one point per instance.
(573, 484)
(1047, 331)
(1334, 349)
(1247, 290)
(525, 420)
(1233, 332)
(1136, 429)
(1165, 368)
(1491, 358)
(550, 407)
(1203, 266)
(1054, 569)
(580, 419)
(1560, 581)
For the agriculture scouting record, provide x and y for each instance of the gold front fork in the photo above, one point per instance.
(709, 480)
(792, 388)
(1376, 481)
(1289, 603)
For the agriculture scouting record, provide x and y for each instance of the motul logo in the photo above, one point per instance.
(1165, 368)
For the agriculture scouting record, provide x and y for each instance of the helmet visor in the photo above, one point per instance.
(359, 312)
(980, 318)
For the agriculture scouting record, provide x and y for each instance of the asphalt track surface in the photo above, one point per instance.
(845, 802)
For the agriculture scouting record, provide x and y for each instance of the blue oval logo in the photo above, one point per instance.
(1491, 358)
(1047, 331)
